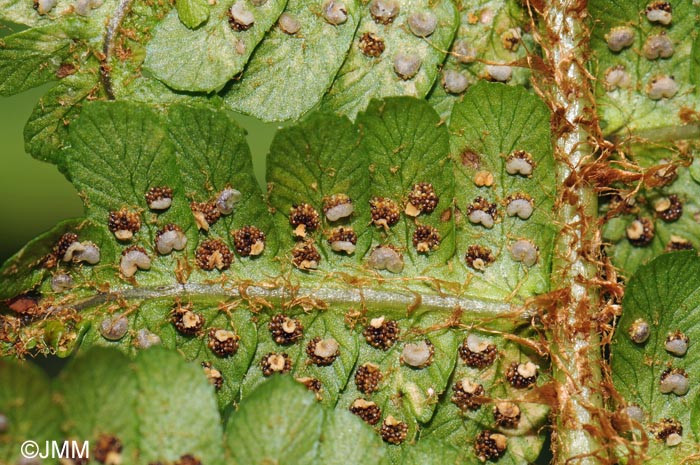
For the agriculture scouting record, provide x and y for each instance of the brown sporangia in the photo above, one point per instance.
(368, 377)
(381, 333)
(367, 410)
(186, 321)
(466, 395)
(304, 218)
(426, 238)
(124, 223)
(285, 330)
(490, 446)
(275, 363)
(393, 431)
(249, 241)
(342, 239)
(223, 342)
(213, 375)
(478, 257)
(371, 45)
(108, 450)
(421, 199)
(521, 375)
(477, 353)
(305, 256)
(205, 214)
(385, 212)
(159, 198)
(322, 352)
(213, 254)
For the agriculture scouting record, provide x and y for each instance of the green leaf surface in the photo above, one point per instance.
(457, 427)
(281, 423)
(664, 293)
(490, 33)
(289, 72)
(630, 108)
(28, 408)
(409, 145)
(488, 125)
(32, 57)
(205, 59)
(192, 13)
(46, 132)
(314, 160)
(363, 77)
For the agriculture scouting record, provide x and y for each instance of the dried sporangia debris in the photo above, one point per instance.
(205, 214)
(26, 307)
(275, 363)
(367, 410)
(240, 18)
(322, 352)
(421, 199)
(483, 179)
(521, 375)
(371, 45)
(394, 431)
(669, 430)
(418, 354)
(669, 208)
(249, 240)
(124, 224)
(477, 353)
(368, 377)
(108, 450)
(186, 321)
(678, 243)
(384, 11)
(674, 380)
(343, 239)
(305, 256)
(466, 393)
(385, 212)
(170, 238)
(479, 257)
(510, 39)
(640, 232)
(223, 342)
(381, 333)
(134, 258)
(188, 459)
(159, 198)
(659, 12)
(312, 384)
(520, 205)
(483, 212)
(506, 415)
(213, 375)
(426, 238)
(337, 206)
(677, 343)
(639, 331)
(304, 218)
(213, 253)
(490, 446)
(520, 162)
(386, 257)
(285, 330)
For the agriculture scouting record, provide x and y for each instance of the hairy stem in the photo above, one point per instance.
(574, 338)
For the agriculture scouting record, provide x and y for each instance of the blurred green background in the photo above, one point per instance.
(35, 196)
